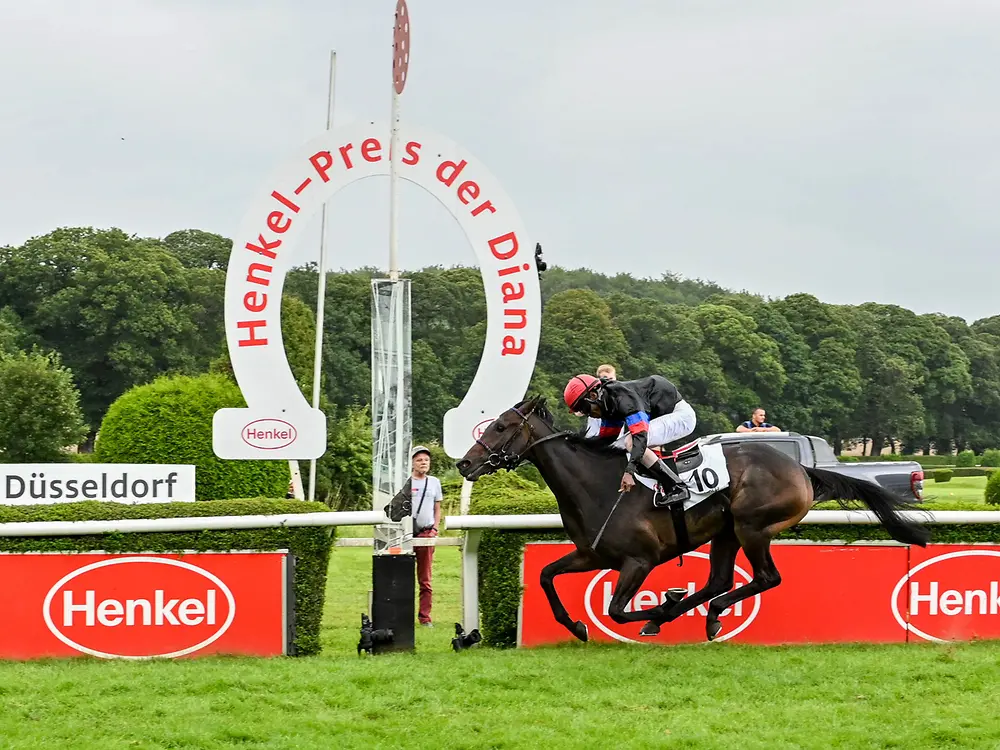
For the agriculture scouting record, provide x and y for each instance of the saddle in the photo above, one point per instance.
(684, 459)
(680, 460)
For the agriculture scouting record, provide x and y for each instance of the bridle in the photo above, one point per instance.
(501, 457)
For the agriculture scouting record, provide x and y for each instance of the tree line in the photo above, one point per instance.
(118, 310)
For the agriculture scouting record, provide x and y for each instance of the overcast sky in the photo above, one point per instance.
(846, 149)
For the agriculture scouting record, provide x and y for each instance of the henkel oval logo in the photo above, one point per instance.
(269, 434)
(479, 429)
(954, 596)
(688, 627)
(139, 608)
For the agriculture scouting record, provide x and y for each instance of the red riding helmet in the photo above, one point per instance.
(577, 388)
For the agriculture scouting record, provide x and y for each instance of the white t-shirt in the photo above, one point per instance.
(423, 515)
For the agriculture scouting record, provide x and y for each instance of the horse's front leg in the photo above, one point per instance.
(574, 562)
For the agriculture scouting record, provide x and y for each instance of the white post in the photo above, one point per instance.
(393, 185)
(466, 497)
(321, 287)
(293, 468)
(470, 580)
(400, 61)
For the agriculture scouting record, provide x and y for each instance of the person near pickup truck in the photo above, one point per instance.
(637, 414)
(757, 423)
(593, 427)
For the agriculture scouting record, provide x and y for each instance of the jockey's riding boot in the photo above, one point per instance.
(674, 490)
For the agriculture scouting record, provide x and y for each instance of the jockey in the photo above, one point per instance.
(652, 410)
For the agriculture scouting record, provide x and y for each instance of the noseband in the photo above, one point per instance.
(501, 457)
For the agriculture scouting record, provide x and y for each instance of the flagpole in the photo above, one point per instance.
(321, 287)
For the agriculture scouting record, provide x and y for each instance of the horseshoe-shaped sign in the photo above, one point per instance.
(278, 422)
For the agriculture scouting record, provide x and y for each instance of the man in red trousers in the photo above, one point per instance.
(426, 497)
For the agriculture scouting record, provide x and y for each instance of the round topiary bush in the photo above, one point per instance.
(991, 457)
(992, 494)
(169, 421)
(942, 475)
(965, 458)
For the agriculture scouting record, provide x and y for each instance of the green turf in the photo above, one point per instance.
(961, 493)
(718, 695)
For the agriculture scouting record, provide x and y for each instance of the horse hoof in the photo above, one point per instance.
(650, 628)
(714, 628)
(580, 630)
(675, 595)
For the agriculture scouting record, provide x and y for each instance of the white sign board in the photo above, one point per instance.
(46, 484)
(255, 433)
(264, 247)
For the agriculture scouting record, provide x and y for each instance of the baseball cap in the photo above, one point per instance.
(419, 449)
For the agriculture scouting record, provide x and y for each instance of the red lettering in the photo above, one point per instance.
(253, 340)
(523, 315)
(482, 207)
(497, 241)
(273, 222)
(284, 201)
(469, 187)
(412, 157)
(322, 161)
(265, 248)
(259, 267)
(370, 145)
(456, 169)
(507, 290)
(345, 157)
(510, 346)
(254, 306)
(512, 269)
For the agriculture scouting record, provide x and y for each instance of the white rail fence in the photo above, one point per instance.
(472, 525)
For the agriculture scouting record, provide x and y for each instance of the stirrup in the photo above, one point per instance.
(675, 495)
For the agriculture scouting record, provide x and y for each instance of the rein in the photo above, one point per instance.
(499, 457)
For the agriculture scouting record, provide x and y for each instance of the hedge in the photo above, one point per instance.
(169, 421)
(943, 475)
(992, 492)
(311, 545)
(926, 461)
(500, 551)
(972, 471)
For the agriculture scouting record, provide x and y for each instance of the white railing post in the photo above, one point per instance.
(470, 580)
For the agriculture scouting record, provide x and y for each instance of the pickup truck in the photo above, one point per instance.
(905, 478)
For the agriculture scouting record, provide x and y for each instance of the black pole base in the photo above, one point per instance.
(394, 580)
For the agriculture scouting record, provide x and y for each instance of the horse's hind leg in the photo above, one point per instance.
(633, 572)
(722, 558)
(574, 562)
(757, 547)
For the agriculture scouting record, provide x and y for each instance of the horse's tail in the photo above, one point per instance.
(883, 503)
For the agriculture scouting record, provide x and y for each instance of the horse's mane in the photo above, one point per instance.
(540, 408)
(599, 447)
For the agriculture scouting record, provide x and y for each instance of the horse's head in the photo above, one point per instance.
(507, 439)
(401, 504)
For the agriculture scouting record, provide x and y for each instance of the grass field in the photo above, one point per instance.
(961, 493)
(716, 695)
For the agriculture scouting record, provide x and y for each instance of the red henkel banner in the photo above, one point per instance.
(144, 605)
(828, 594)
(952, 593)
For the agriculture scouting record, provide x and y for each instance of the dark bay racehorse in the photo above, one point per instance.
(768, 493)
